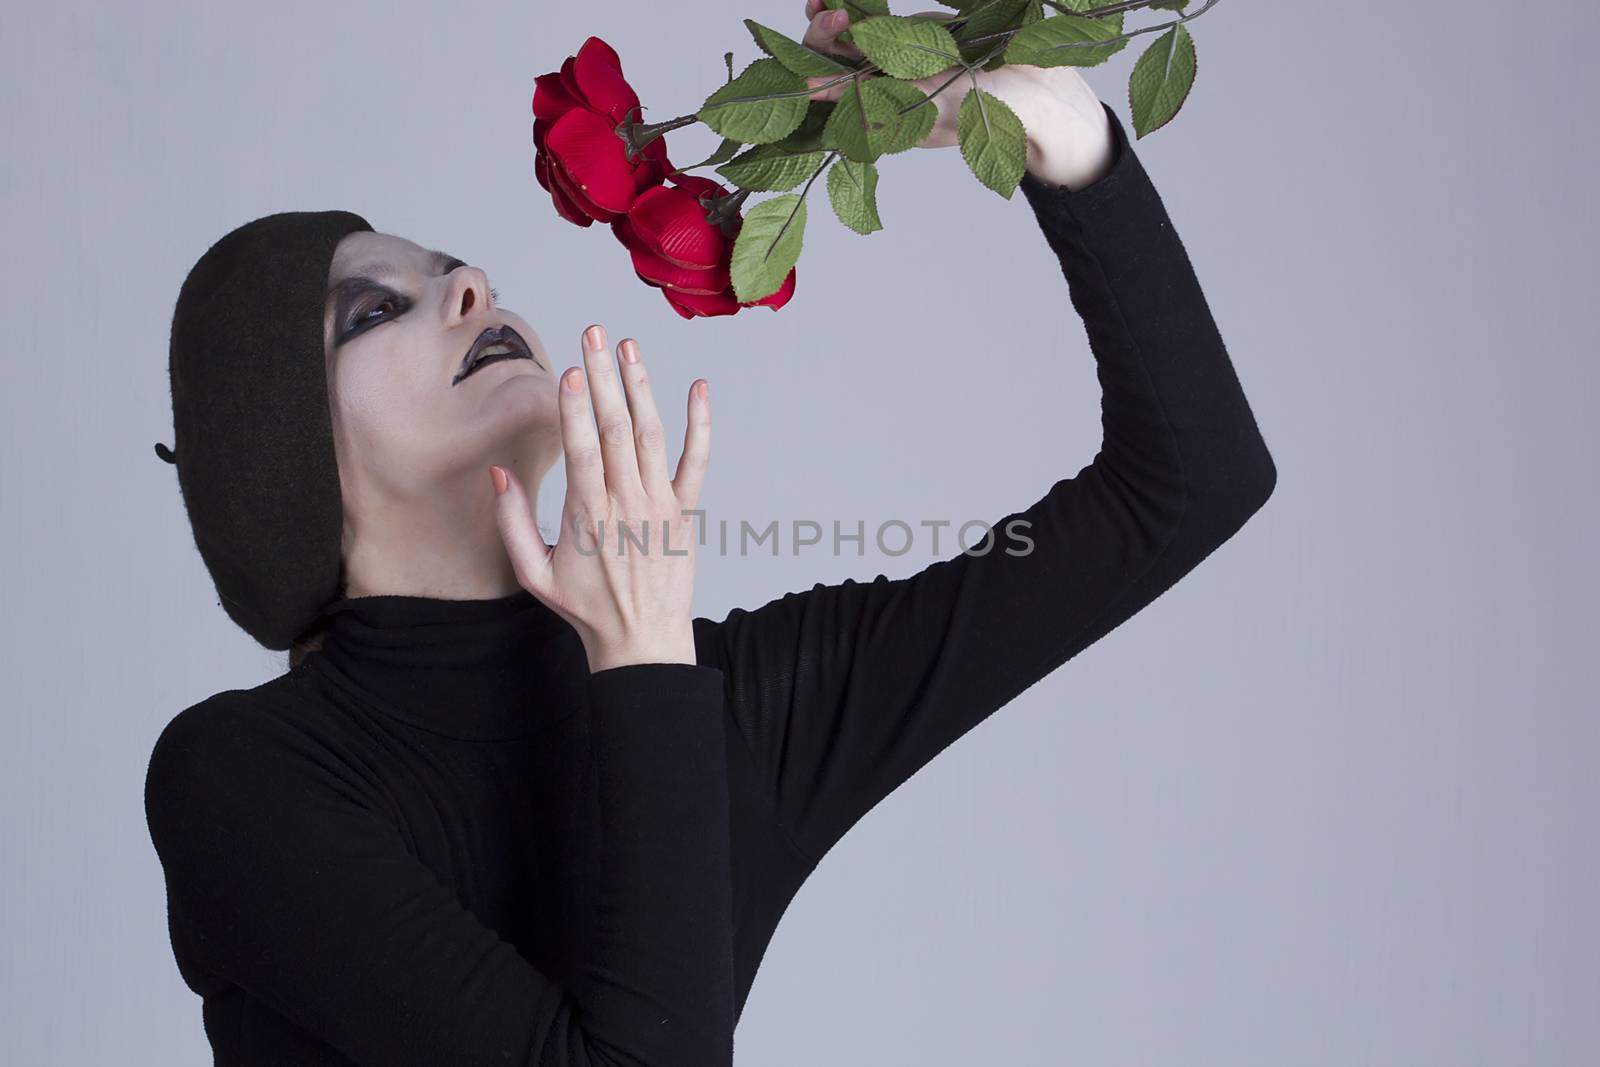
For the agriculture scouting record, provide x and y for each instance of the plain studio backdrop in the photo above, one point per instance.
(1330, 800)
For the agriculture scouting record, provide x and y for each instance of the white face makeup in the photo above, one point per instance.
(429, 380)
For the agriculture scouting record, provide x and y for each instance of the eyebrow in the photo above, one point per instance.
(384, 269)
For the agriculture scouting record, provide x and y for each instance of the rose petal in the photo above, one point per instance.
(679, 308)
(719, 304)
(624, 235)
(569, 81)
(778, 299)
(539, 160)
(667, 275)
(663, 273)
(600, 50)
(655, 166)
(568, 209)
(598, 72)
(580, 202)
(671, 223)
(544, 170)
(587, 148)
(551, 99)
(699, 186)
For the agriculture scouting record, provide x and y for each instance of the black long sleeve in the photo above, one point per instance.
(290, 878)
(441, 840)
(844, 691)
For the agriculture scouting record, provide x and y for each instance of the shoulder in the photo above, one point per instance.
(233, 725)
(240, 747)
(205, 744)
(248, 804)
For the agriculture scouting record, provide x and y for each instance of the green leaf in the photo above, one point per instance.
(878, 117)
(906, 47)
(1168, 5)
(1067, 40)
(993, 141)
(764, 103)
(768, 246)
(853, 191)
(859, 9)
(807, 137)
(725, 151)
(1031, 14)
(768, 168)
(1161, 80)
(795, 57)
(995, 16)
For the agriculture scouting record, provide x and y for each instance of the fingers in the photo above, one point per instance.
(613, 425)
(648, 436)
(513, 513)
(823, 33)
(580, 446)
(696, 448)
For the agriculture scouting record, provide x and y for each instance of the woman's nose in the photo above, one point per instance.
(467, 295)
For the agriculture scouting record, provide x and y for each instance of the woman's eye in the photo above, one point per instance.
(366, 316)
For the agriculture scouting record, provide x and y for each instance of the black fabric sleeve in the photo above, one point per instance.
(286, 878)
(844, 691)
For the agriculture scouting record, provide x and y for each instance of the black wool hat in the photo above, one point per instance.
(253, 437)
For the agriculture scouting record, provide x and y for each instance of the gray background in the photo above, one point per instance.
(1330, 800)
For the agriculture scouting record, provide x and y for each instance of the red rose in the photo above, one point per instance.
(578, 157)
(676, 250)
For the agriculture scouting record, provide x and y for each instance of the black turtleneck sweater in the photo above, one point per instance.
(442, 840)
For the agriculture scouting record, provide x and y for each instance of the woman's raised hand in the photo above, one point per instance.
(631, 605)
(1069, 136)
(822, 35)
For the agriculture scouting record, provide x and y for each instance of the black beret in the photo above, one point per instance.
(253, 437)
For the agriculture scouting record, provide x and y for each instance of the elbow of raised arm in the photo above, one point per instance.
(1263, 477)
(1253, 479)
(1232, 489)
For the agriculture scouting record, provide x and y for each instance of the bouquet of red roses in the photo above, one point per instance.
(801, 111)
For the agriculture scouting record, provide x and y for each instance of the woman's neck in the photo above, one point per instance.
(447, 547)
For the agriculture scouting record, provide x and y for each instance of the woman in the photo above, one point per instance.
(517, 806)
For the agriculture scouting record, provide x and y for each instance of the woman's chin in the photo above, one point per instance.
(517, 401)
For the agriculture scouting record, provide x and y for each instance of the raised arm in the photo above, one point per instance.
(284, 879)
(844, 691)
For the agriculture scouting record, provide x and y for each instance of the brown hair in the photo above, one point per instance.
(308, 642)
(310, 639)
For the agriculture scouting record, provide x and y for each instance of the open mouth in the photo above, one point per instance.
(495, 343)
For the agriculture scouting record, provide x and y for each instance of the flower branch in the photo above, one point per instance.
(782, 129)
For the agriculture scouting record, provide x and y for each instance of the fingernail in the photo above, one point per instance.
(499, 478)
(596, 336)
(630, 350)
(838, 19)
(573, 380)
(705, 390)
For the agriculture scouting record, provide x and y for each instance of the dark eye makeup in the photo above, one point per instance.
(364, 304)
(367, 308)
